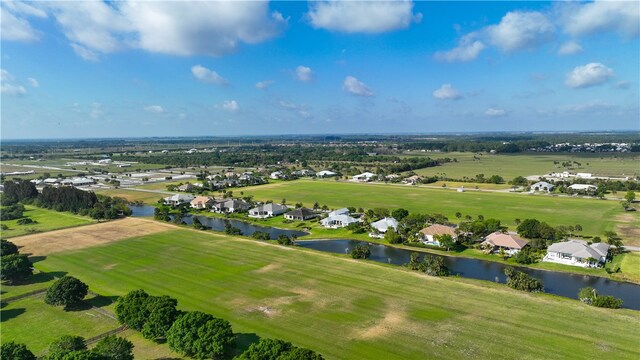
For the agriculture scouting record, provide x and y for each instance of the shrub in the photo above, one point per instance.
(261, 235)
(361, 251)
(26, 221)
(522, 281)
(15, 267)
(65, 345)
(114, 348)
(284, 240)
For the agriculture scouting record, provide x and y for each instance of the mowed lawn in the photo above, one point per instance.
(349, 309)
(511, 165)
(47, 220)
(134, 195)
(595, 216)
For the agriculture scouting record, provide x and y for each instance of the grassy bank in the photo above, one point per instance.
(362, 310)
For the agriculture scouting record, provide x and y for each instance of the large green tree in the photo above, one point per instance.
(162, 314)
(114, 348)
(201, 336)
(67, 291)
(15, 268)
(7, 248)
(131, 309)
(65, 345)
(14, 351)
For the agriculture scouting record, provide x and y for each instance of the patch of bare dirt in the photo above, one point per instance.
(87, 236)
(392, 321)
(628, 228)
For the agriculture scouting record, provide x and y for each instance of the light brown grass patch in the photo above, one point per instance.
(87, 236)
(628, 229)
(393, 321)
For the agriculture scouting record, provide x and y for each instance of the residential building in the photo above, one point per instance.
(202, 202)
(382, 226)
(277, 175)
(229, 206)
(583, 187)
(413, 180)
(542, 186)
(178, 199)
(366, 176)
(338, 218)
(510, 243)
(325, 173)
(300, 214)
(428, 234)
(185, 187)
(267, 210)
(577, 253)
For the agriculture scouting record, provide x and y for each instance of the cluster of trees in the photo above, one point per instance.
(64, 198)
(195, 334)
(590, 296)
(67, 291)
(522, 281)
(275, 349)
(15, 267)
(432, 265)
(69, 347)
(12, 212)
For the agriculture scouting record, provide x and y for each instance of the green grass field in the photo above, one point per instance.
(133, 195)
(595, 216)
(510, 166)
(347, 309)
(36, 324)
(47, 220)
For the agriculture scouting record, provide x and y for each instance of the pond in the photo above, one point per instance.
(218, 224)
(557, 283)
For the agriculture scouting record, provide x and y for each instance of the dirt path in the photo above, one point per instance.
(87, 236)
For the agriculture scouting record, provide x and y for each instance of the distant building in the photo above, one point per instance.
(338, 218)
(267, 210)
(178, 199)
(583, 187)
(300, 214)
(584, 175)
(366, 176)
(202, 202)
(229, 206)
(542, 186)
(325, 173)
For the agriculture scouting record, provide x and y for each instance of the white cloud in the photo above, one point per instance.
(356, 87)
(622, 17)
(362, 16)
(96, 110)
(14, 90)
(207, 76)
(468, 49)
(588, 75)
(33, 82)
(570, 48)
(447, 92)
(263, 85)
(14, 25)
(622, 85)
(213, 28)
(156, 109)
(10, 89)
(495, 112)
(83, 52)
(520, 30)
(304, 73)
(230, 105)
(590, 107)
(287, 105)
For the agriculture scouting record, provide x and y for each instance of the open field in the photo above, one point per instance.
(630, 266)
(363, 310)
(78, 238)
(37, 324)
(511, 165)
(595, 216)
(133, 195)
(47, 220)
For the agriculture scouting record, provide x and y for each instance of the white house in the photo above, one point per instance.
(276, 175)
(300, 214)
(428, 234)
(584, 175)
(542, 186)
(511, 244)
(267, 210)
(366, 176)
(325, 173)
(341, 211)
(202, 202)
(583, 187)
(178, 199)
(577, 253)
(105, 161)
(338, 218)
(382, 226)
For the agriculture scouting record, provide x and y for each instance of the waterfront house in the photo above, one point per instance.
(510, 243)
(267, 211)
(428, 234)
(382, 226)
(577, 253)
(178, 199)
(202, 202)
(300, 214)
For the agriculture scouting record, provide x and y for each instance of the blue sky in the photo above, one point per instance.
(128, 69)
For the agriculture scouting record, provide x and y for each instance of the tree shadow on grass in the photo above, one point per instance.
(98, 301)
(243, 341)
(6, 315)
(42, 277)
